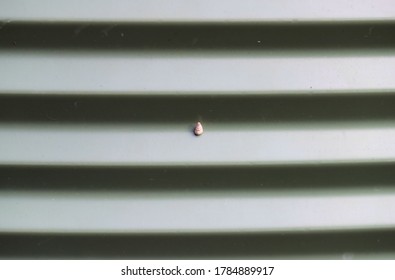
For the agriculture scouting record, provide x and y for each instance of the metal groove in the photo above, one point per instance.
(373, 244)
(243, 109)
(269, 37)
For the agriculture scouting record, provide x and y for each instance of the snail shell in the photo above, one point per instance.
(198, 129)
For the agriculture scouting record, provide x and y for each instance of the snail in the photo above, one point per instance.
(198, 129)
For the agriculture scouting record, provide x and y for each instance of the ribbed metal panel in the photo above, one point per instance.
(98, 104)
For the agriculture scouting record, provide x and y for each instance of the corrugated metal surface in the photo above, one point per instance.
(98, 103)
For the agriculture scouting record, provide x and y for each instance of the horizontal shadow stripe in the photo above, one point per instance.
(165, 36)
(281, 180)
(224, 109)
(376, 244)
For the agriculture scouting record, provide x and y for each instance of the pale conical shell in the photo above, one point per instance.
(198, 129)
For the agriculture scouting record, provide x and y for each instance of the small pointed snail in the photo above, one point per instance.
(198, 129)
